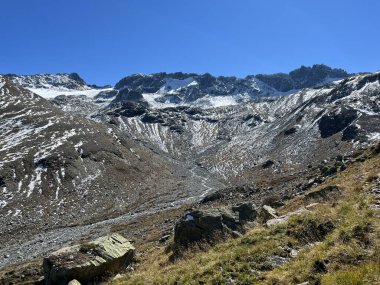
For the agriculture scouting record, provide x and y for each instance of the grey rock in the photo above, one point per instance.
(210, 225)
(105, 255)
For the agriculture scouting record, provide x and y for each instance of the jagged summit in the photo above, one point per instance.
(161, 90)
(68, 80)
(52, 85)
(205, 90)
(303, 77)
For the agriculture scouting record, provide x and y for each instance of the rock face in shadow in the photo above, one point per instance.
(331, 124)
(213, 224)
(354, 133)
(103, 256)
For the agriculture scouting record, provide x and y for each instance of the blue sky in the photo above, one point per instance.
(104, 40)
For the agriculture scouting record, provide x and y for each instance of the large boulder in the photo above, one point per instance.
(212, 224)
(87, 262)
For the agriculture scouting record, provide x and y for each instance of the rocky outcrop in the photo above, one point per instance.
(189, 87)
(126, 95)
(303, 77)
(323, 194)
(213, 224)
(86, 262)
(229, 194)
(333, 123)
(128, 109)
(69, 81)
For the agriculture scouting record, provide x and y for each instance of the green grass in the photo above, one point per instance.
(366, 273)
(353, 243)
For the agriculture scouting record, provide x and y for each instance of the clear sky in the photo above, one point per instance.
(104, 40)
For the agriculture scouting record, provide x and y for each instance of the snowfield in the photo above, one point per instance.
(50, 93)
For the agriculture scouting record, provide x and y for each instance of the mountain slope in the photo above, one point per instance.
(292, 132)
(67, 91)
(74, 164)
(57, 169)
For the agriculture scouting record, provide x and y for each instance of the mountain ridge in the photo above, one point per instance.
(161, 90)
(134, 158)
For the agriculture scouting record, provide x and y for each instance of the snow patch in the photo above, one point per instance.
(50, 93)
(374, 136)
(35, 181)
(172, 84)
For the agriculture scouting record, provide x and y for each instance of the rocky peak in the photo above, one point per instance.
(75, 76)
(66, 80)
(303, 77)
(205, 90)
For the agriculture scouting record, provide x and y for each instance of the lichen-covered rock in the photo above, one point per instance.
(209, 225)
(84, 263)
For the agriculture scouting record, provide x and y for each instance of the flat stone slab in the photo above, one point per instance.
(104, 256)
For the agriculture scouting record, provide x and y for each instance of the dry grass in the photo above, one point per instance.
(23, 274)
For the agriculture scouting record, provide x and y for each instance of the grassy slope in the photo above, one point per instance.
(348, 255)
